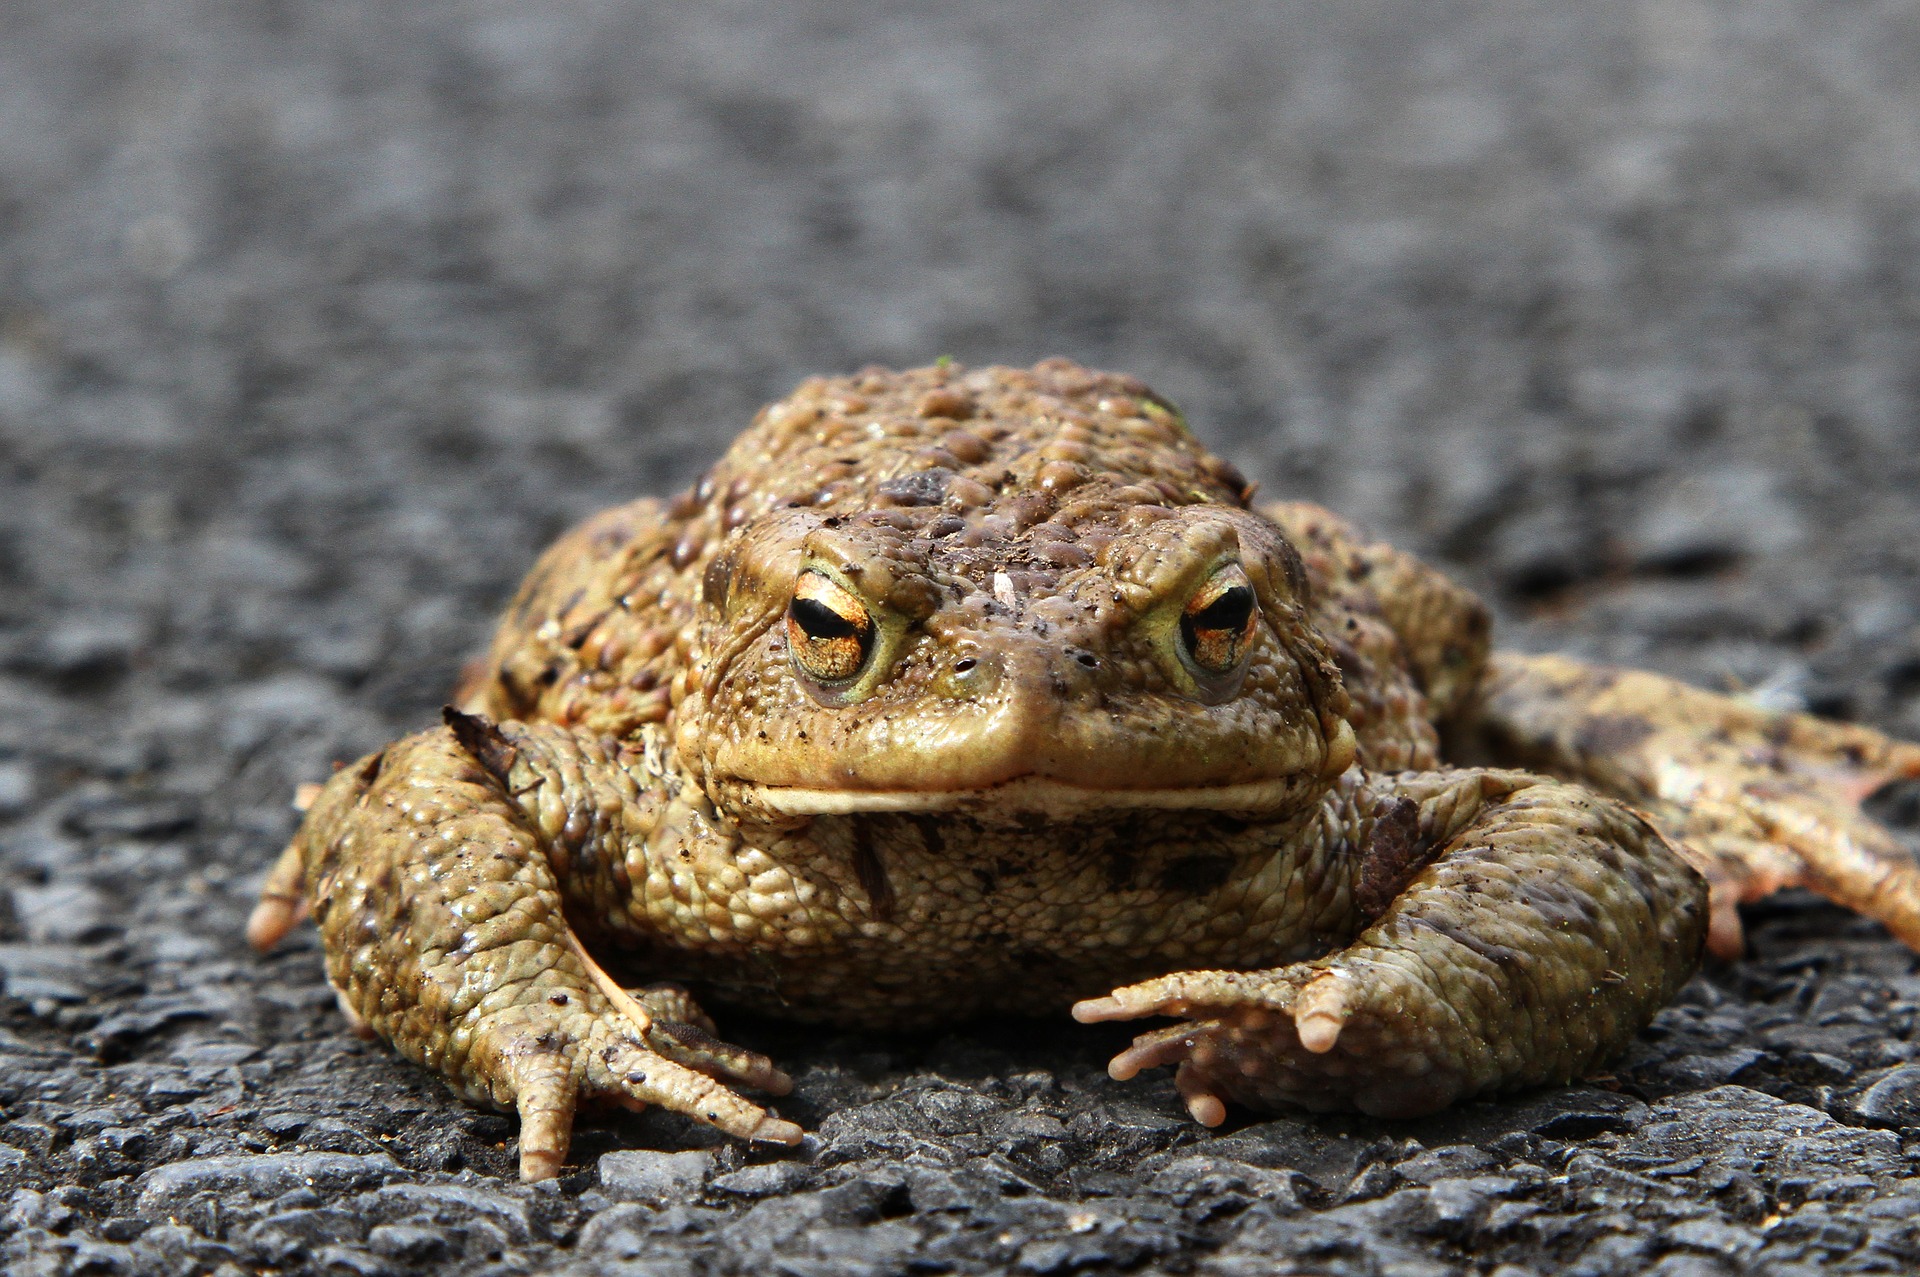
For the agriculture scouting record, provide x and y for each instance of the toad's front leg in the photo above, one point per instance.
(1545, 933)
(431, 871)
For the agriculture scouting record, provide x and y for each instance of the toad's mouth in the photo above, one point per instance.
(1028, 794)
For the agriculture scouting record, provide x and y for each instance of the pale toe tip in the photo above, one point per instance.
(777, 1130)
(1207, 1109)
(1094, 1010)
(270, 921)
(537, 1164)
(1321, 1013)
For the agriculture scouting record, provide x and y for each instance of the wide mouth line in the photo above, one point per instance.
(1036, 793)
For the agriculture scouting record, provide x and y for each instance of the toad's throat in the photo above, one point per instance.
(1031, 793)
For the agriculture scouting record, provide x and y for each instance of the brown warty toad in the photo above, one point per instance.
(955, 692)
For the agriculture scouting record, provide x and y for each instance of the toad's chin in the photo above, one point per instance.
(1027, 794)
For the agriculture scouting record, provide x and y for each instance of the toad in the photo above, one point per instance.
(952, 693)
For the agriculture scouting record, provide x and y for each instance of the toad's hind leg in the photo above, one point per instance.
(1757, 799)
(433, 876)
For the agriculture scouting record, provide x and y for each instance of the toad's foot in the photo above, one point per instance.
(1549, 929)
(430, 867)
(549, 1055)
(1301, 1035)
(1757, 799)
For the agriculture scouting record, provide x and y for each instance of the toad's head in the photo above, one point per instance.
(1085, 617)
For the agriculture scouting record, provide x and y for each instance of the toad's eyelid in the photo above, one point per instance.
(1223, 580)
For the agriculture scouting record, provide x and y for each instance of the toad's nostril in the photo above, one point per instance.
(1087, 659)
(964, 664)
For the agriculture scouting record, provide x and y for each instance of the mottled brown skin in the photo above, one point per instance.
(954, 693)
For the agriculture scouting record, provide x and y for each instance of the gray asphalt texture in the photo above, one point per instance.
(317, 321)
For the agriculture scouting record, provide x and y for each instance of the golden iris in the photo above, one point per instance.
(1217, 625)
(830, 631)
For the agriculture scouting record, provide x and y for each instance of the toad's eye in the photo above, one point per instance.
(829, 630)
(1217, 627)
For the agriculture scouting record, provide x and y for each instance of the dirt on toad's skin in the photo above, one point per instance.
(310, 339)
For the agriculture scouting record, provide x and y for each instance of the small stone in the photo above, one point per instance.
(119, 816)
(1892, 1099)
(16, 786)
(1449, 1162)
(1543, 548)
(648, 1176)
(408, 1243)
(1708, 520)
(617, 1233)
(215, 1054)
(769, 1179)
(263, 1175)
(1200, 1177)
(61, 913)
(1461, 1201)
(87, 648)
(1331, 1161)
(501, 1205)
(174, 1248)
(350, 1261)
(284, 1237)
(1714, 1069)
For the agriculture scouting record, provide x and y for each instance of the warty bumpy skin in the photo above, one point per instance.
(951, 693)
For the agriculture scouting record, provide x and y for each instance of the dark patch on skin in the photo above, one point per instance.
(610, 537)
(930, 835)
(1630, 868)
(923, 487)
(1295, 569)
(1779, 732)
(1355, 671)
(1121, 866)
(871, 873)
(1499, 955)
(481, 737)
(1197, 875)
(1391, 854)
(1607, 734)
(688, 1035)
(716, 581)
(515, 690)
(577, 635)
(989, 880)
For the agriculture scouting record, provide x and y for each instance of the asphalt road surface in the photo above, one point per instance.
(317, 321)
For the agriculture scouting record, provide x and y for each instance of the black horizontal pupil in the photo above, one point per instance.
(1228, 612)
(820, 621)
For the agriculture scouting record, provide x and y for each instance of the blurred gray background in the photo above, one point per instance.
(318, 320)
